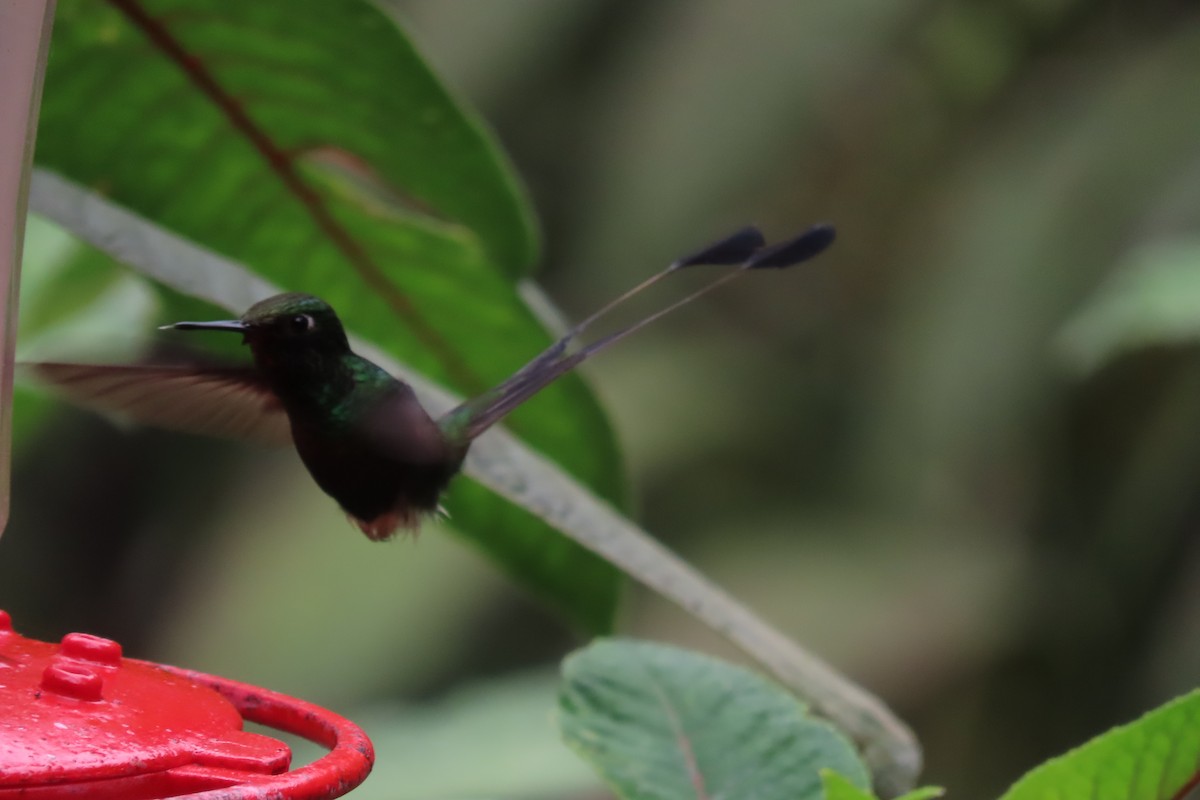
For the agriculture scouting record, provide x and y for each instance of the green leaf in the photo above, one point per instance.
(1151, 759)
(839, 787)
(308, 140)
(1152, 300)
(660, 723)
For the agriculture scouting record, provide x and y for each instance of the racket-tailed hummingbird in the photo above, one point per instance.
(361, 433)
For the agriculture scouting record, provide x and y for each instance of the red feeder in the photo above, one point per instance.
(79, 721)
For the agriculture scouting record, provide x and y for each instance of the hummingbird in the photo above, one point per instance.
(361, 433)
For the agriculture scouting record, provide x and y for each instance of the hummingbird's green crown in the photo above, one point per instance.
(294, 316)
(283, 304)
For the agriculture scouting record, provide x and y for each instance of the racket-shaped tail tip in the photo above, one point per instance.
(735, 248)
(796, 250)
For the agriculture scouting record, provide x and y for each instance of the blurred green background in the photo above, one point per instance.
(957, 456)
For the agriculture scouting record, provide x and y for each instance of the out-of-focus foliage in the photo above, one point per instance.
(887, 455)
(1151, 301)
(428, 746)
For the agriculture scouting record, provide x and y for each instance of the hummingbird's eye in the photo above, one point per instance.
(301, 323)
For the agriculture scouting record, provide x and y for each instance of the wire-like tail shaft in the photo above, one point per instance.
(743, 249)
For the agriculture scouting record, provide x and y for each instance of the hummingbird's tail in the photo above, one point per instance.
(743, 249)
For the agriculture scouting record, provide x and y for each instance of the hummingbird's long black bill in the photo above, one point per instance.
(743, 249)
(232, 325)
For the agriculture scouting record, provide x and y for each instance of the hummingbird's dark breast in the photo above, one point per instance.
(379, 454)
(383, 491)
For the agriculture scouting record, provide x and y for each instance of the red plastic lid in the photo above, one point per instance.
(77, 719)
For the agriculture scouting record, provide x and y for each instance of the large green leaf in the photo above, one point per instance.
(307, 140)
(660, 723)
(1154, 758)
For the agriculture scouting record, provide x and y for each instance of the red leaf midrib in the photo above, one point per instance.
(281, 164)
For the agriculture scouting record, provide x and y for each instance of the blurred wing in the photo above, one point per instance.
(227, 402)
